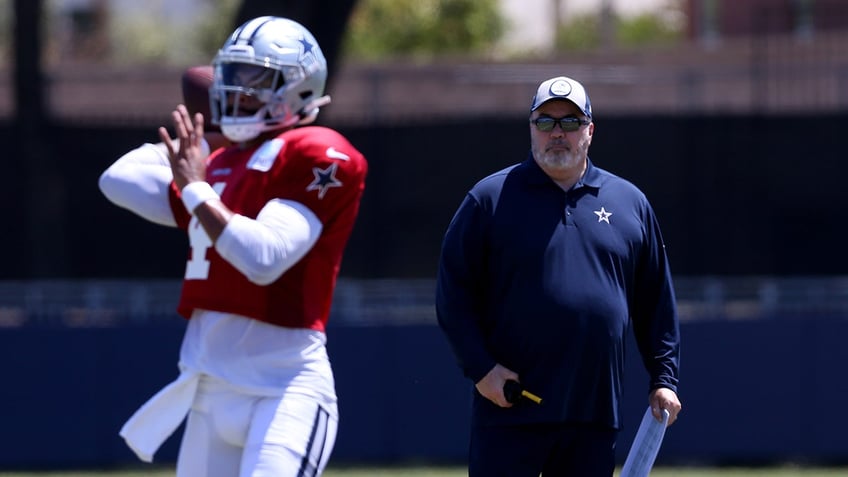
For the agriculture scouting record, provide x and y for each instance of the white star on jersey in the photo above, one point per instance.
(603, 215)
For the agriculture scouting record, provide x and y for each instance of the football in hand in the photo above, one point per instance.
(196, 81)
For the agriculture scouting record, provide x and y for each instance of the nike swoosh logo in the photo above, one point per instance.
(334, 154)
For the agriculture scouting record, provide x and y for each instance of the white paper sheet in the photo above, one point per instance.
(645, 446)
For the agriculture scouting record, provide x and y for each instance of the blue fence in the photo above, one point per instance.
(756, 387)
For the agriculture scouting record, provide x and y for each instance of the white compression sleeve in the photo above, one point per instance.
(140, 180)
(263, 249)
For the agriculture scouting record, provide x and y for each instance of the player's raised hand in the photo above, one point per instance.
(188, 158)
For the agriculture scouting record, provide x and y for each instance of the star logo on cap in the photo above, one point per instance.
(560, 88)
(603, 215)
(324, 180)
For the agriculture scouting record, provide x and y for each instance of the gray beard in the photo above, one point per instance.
(559, 160)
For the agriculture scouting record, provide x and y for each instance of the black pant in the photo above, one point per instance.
(554, 450)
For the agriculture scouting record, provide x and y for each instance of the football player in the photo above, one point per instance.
(267, 219)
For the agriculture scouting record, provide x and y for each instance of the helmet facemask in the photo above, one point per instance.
(250, 99)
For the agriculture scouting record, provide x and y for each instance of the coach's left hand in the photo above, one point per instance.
(664, 398)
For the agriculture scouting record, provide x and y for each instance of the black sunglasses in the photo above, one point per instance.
(567, 124)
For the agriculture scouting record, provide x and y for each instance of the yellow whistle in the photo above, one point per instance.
(513, 391)
(531, 396)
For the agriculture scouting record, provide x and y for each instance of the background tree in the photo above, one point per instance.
(585, 31)
(382, 29)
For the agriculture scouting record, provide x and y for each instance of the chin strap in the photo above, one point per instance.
(310, 111)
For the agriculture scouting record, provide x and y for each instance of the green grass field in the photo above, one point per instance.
(787, 471)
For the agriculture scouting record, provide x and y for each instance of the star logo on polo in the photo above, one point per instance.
(603, 215)
(324, 180)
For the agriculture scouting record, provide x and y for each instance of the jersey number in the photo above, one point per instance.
(197, 267)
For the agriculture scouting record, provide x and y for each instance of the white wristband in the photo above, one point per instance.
(197, 193)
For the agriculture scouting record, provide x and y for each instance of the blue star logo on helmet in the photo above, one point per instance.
(307, 46)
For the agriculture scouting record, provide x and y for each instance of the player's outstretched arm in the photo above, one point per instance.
(139, 181)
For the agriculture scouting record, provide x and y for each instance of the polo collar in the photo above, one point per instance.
(591, 178)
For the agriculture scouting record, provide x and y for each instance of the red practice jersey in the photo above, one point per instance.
(314, 166)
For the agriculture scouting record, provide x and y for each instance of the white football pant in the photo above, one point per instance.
(231, 434)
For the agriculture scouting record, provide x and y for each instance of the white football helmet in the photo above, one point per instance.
(270, 74)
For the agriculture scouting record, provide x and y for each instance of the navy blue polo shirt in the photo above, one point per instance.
(547, 283)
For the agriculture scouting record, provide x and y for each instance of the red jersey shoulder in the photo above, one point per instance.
(319, 160)
(321, 145)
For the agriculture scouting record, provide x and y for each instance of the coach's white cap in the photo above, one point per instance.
(562, 87)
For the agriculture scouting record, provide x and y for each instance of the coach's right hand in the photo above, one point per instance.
(492, 384)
